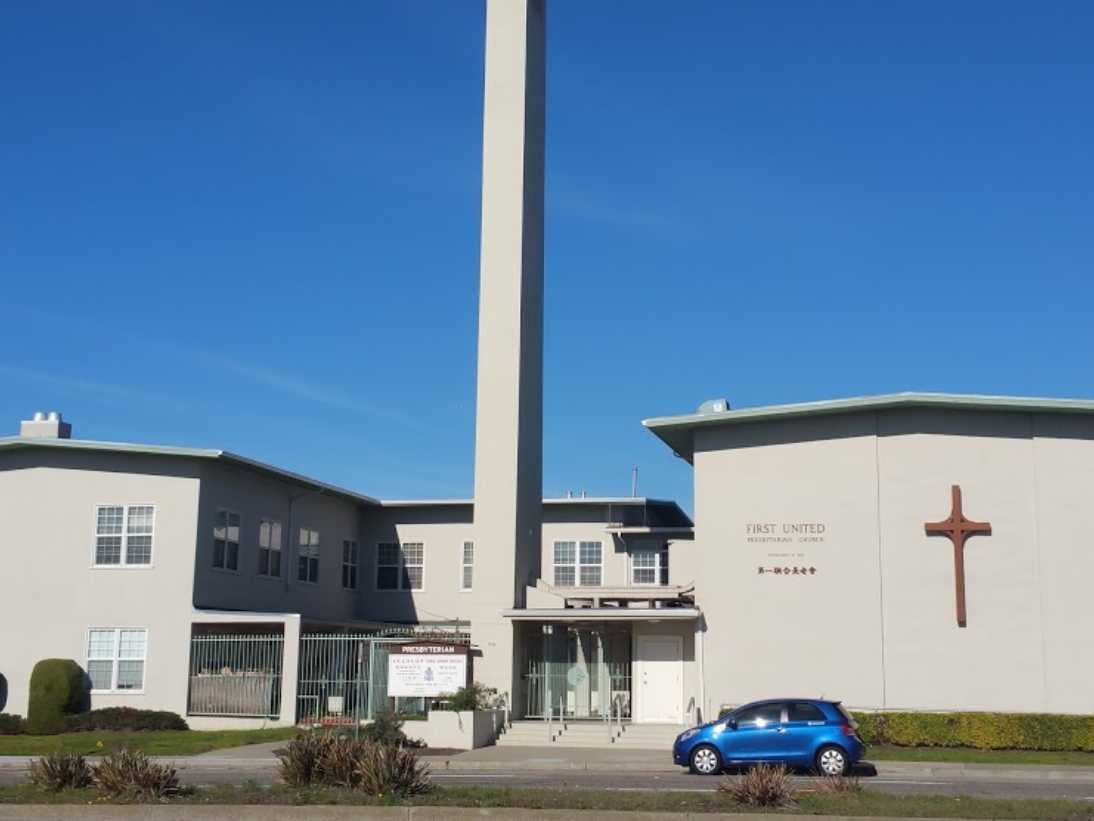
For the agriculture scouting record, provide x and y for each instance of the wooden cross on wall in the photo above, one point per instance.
(957, 529)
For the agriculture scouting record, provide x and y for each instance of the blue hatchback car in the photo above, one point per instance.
(797, 732)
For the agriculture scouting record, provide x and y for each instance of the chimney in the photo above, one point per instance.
(45, 426)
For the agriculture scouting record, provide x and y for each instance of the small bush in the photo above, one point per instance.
(838, 785)
(133, 775)
(981, 731)
(339, 762)
(387, 770)
(60, 771)
(387, 728)
(56, 688)
(762, 786)
(124, 719)
(475, 696)
(325, 759)
(298, 761)
(12, 724)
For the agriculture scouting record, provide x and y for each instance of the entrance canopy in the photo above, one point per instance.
(566, 615)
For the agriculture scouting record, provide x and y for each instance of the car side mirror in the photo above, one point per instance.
(732, 724)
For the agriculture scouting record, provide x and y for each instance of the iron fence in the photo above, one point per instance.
(342, 677)
(235, 675)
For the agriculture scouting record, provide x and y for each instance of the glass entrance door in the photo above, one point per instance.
(577, 671)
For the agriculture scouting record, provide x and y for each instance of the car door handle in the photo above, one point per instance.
(781, 730)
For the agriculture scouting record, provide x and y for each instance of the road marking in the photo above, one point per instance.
(895, 781)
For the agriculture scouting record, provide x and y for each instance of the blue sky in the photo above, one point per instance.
(255, 225)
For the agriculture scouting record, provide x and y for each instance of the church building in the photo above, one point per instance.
(902, 552)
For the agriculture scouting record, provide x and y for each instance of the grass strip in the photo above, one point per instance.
(965, 755)
(866, 803)
(152, 742)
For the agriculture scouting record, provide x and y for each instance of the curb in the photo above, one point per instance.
(184, 812)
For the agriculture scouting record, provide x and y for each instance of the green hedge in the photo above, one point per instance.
(56, 688)
(12, 724)
(980, 731)
(126, 719)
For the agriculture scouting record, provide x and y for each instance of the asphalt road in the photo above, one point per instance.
(1010, 782)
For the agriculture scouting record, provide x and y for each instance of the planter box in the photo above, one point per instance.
(458, 731)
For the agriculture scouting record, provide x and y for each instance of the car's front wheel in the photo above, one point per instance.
(832, 760)
(705, 760)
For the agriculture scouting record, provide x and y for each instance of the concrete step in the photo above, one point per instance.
(590, 735)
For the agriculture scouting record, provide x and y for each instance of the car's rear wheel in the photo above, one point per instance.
(832, 760)
(705, 760)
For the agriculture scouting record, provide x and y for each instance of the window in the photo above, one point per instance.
(800, 711)
(307, 568)
(590, 570)
(565, 557)
(269, 548)
(400, 566)
(349, 564)
(468, 566)
(650, 566)
(226, 540)
(115, 659)
(578, 563)
(762, 716)
(123, 535)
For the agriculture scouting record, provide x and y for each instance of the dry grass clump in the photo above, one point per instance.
(838, 785)
(60, 771)
(132, 775)
(322, 759)
(761, 786)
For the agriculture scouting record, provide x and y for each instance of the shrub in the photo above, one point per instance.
(56, 688)
(339, 761)
(133, 775)
(762, 786)
(387, 728)
(982, 731)
(342, 761)
(298, 761)
(475, 696)
(386, 770)
(839, 785)
(12, 724)
(60, 771)
(125, 719)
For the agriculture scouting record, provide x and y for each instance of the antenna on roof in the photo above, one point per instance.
(634, 481)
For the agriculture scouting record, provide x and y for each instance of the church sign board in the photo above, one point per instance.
(425, 669)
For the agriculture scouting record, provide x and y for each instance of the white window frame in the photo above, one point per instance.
(660, 566)
(116, 658)
(401, 585)
(270, 549)
(577, 565)
(351, 549)
(123, 563)
(309, 552)
(228, 512)
(467, 567)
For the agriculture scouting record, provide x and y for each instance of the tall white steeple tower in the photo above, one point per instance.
(509, 409)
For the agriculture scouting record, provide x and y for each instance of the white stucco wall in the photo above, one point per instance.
(53, 595)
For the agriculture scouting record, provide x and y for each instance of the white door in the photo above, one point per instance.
(660, 678)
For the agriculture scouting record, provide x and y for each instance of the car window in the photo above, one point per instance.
(803, 711)
(762, 716)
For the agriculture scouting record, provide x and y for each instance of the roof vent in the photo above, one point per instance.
(45, 426)
(714, 406)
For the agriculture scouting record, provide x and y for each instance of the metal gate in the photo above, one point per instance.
(343, 676)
